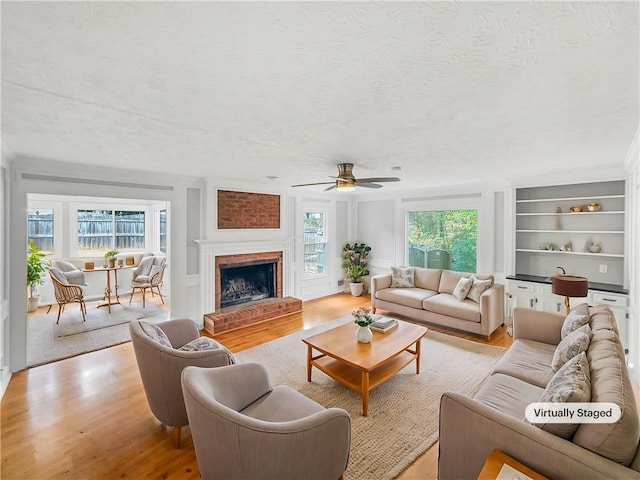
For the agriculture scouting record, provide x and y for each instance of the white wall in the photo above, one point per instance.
(31, 175)
(633, 228)
(5, 341)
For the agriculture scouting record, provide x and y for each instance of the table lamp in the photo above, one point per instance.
(569, 286)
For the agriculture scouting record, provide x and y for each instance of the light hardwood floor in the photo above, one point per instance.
(87, 416)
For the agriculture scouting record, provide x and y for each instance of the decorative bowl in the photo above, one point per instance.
(593, 207)
(576, 209)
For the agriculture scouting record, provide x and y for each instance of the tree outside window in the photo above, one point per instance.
(315, 244)
(444, 239)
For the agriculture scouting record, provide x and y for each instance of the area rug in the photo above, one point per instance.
(48, 342)
(402, 421)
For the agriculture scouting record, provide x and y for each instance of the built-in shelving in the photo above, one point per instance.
(543, 217)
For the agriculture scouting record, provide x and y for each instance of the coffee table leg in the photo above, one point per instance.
(309, 363)
(418, 343)
(365, 393)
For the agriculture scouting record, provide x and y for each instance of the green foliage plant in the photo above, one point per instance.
(36, 267)
(354, 261)
(110, 254)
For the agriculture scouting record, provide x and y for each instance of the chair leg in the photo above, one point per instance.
(83, 309)
(159, 293)
(49, 309)
(176, 437)
(133, 290)
(60, 308)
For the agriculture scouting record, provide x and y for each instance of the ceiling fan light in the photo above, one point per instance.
(345, 185)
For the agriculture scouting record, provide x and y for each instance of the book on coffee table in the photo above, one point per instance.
(382, 322)
(384, 328)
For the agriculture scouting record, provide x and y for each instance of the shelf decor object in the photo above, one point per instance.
(569, 286)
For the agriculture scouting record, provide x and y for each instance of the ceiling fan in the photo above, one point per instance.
(345, 181)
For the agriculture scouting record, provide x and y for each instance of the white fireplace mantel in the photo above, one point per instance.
(210, 249)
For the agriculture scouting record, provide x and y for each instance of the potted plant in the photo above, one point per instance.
(354, 261)
(110, 258)
(36, 267)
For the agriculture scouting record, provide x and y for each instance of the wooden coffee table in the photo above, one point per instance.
(363, 366)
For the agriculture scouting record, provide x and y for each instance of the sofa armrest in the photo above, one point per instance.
(529, 324)
(378, 282)
(492, 308)
(470, 430)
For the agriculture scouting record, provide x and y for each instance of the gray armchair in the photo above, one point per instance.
(160, 361)
(73, 274)
(242, 428)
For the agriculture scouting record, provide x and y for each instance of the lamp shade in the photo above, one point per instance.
(569, 286)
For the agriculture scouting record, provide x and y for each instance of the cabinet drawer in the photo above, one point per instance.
(603, 298)
(524, 287)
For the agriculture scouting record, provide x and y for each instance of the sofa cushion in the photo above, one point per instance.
(427, 278)
(578, 316)
(570, 384)
(409, 297)
(402, 277)
(462, 288)
(449, 280)
(529, 361)
(570, 346)
(610, 383)
(601, 318)
(445, 304)
(478, 288)
(508, 395)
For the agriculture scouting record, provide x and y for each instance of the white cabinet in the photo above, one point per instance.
(549, 234)
(538, 296)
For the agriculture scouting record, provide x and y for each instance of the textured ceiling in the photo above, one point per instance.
(452, 92)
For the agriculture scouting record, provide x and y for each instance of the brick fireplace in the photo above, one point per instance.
(218, 259)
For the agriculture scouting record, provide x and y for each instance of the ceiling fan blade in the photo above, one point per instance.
(368, 185)
(330, 188)
(308, 184)
(379, 179)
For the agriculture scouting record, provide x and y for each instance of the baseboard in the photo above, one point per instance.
(5, 377)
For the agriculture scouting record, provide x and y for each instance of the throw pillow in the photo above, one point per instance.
(199, 344)
(156, 333)
(462, 288)
(572, 383)
(478, 288)
(154, 269)
(570, 346)
(578, 316)
(402, 277)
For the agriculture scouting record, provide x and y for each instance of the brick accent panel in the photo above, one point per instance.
(247, 259)
(243, 210)
(239, 316)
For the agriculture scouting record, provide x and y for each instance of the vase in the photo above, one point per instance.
(364, 334)
(356, 288)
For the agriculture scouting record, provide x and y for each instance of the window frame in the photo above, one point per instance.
(325, 216)
(74, 208)
(58, 232)
(467, 201)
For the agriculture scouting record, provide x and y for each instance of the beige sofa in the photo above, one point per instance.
(470, 428)
(432, 300)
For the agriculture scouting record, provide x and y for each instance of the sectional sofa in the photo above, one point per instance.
(428, 296)
(470, 428)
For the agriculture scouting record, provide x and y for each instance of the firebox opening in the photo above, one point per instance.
(246, 283)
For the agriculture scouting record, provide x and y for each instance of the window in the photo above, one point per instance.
(102, 230)
(163, 231)
(315, 244)
(40, 227)
(443, 239)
